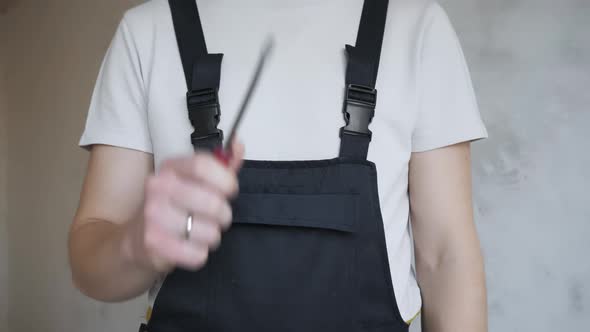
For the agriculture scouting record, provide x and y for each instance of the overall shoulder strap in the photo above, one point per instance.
(202, 72)
(361, 77)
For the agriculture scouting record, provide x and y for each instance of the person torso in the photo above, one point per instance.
(297, 110)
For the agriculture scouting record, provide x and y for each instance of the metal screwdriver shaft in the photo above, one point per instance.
(223, 154)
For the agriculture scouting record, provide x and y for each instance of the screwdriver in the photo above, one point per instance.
(223, 154)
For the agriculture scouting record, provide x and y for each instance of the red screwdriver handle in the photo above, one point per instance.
(222, 155)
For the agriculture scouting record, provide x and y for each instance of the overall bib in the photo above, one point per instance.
(306, 251)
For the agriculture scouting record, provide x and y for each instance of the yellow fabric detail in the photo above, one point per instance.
(148, 314)
(412, 319)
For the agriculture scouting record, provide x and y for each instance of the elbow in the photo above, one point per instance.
(80, 277)
(79, 283)
(449, 257)
(88, 288)
(81, 267)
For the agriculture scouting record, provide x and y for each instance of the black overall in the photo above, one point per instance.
(306, 251)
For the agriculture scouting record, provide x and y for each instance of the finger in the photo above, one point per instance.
(187, 198)
(169, 250)
(205, 233)
(183, 253)
(205, 169)
(192, 258)
(159, 209)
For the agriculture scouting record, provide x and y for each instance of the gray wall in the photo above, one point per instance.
(530, 62)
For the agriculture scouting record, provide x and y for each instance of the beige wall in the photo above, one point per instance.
(54, 49)
(529, 60)
(6, 5)
(3, 172)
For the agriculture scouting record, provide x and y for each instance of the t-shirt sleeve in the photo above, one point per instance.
(447, 107)
(118, 113)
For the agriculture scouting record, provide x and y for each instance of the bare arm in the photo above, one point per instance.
(129, 225)
(448, 256)
(111, 197)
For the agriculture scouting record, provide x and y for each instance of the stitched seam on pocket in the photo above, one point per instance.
(284, 210)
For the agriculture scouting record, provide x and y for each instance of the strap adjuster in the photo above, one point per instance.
(204, 113)
(202, 99)
(359, 110)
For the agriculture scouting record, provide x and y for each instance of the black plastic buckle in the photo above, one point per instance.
(359, 110)
(204, 113)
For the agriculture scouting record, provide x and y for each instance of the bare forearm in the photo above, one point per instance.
(101, 266)
(454, 294)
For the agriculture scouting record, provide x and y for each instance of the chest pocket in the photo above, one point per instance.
(287, 258)
(336, 212)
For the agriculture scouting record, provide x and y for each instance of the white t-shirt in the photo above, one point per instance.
(425, 99)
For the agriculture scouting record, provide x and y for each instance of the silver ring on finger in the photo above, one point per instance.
(189, 227)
